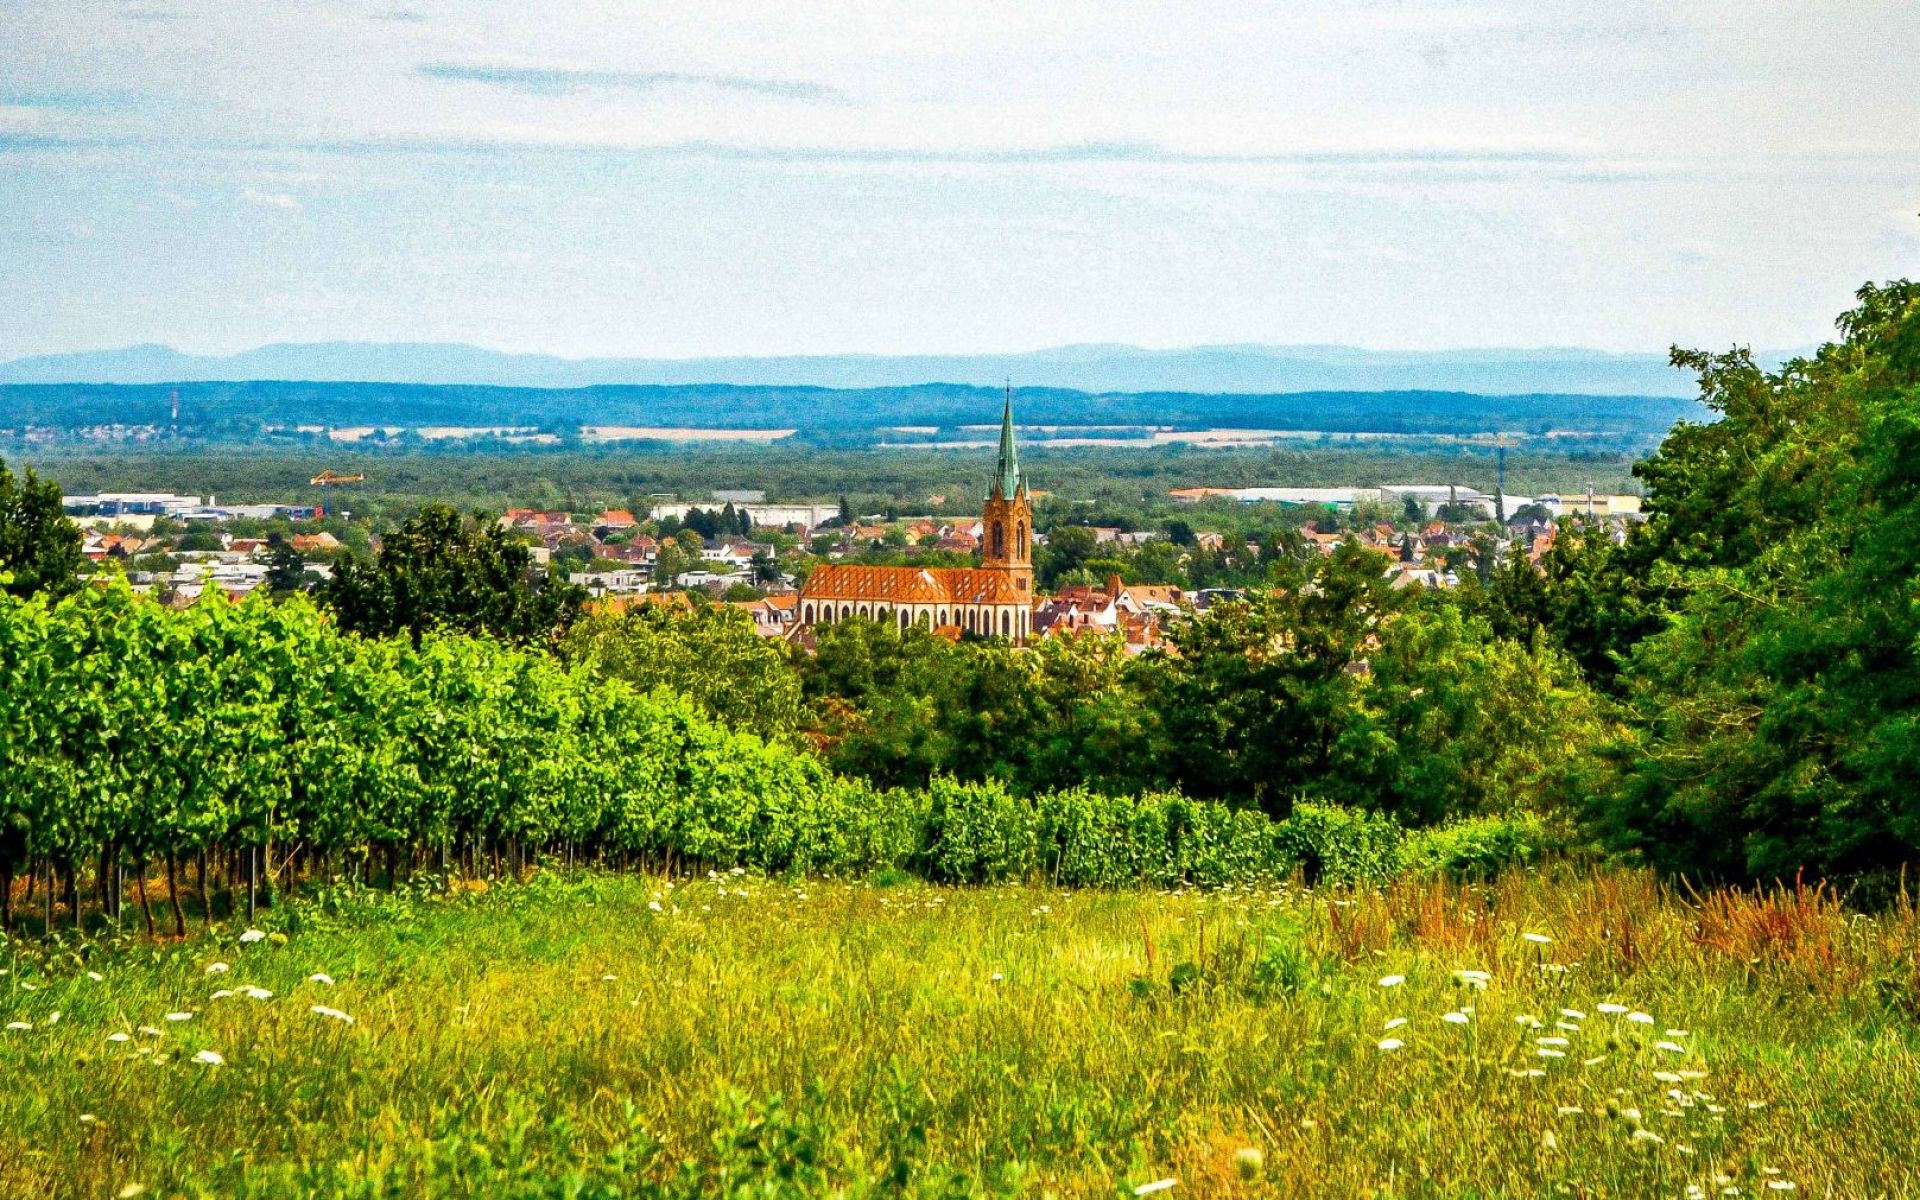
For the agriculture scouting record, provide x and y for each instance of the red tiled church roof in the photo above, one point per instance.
(910, 585)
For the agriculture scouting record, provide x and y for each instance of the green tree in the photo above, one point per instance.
(441, 571)
(711, 654)
(1255, 693)
(1779, 704)
(1067, 549)
(39, 546)
(286, 567)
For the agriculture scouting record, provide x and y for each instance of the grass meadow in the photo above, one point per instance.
(1584, 1034)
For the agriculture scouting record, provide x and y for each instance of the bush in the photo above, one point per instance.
(1478, 847)
(1340, 845)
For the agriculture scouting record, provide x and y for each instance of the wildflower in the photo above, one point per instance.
(1548, 1141)
(655, 906)
(179, 1016)
(222, 994)
(333, 1013)
(1158, 1185)
(1455, 1018)
(1395, 1023)
(20, 1025)
(96, 976)
(1569, 1026)
(131, 1192)
(1611, 1009)
(1392, 980)
(218, 968)
(1476, 980)
(251, 936)
(118, 1037)
(1551, 1041)
(88, 1118)
(1389, 1044)
(1538, 939)
(1595, 1061)
(999, 978)
(1573, 1014)
(53, 1018)
(1570, 1110)
(320, 977)
(1666, 1077)
(1549, 1052)
(1670, 1047)
(256, 993)
(1648, 1136)
(1249, 1162)
(1781, 1185)
(148, 1031)
(210, 1057)
(1531, 1022)
(1640, 1018)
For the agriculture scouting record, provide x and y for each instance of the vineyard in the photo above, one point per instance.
(238, 750)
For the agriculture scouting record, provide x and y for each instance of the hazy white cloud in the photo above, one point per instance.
(279, 200)
(770, 176)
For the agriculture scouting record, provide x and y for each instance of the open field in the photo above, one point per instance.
(764, 1038)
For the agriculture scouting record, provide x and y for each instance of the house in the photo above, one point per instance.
(316, 543)
(612, 521)
(616, 583)
(773, 616)
(733, 554)
(635, 550)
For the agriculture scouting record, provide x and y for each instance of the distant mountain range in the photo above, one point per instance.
(1086, 368)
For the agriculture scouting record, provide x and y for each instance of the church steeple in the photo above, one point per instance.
(1006, 476)
(1006, 525)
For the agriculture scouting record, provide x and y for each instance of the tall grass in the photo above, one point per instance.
(630, 1036)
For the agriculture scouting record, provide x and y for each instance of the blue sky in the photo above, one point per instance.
(681, 179)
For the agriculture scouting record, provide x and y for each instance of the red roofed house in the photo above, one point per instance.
(994, 599)
(614, 520)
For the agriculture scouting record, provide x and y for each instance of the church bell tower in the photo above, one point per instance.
(1006, 525)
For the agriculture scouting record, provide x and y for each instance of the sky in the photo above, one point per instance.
(686, 179)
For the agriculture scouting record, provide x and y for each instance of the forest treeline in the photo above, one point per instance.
(1729, 690)
(1110, 480)
(244, 409)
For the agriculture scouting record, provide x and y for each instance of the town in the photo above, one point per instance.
(769, 558)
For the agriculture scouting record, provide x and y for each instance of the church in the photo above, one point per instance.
(994, 599)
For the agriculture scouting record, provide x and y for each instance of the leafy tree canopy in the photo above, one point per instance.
(39, 546)
(442, 571)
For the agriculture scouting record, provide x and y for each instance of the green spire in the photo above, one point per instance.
(1007, 475)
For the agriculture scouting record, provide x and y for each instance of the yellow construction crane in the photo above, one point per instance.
(327, 479)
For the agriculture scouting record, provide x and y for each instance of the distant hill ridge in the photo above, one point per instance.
(240, 408)
(1244, 369)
